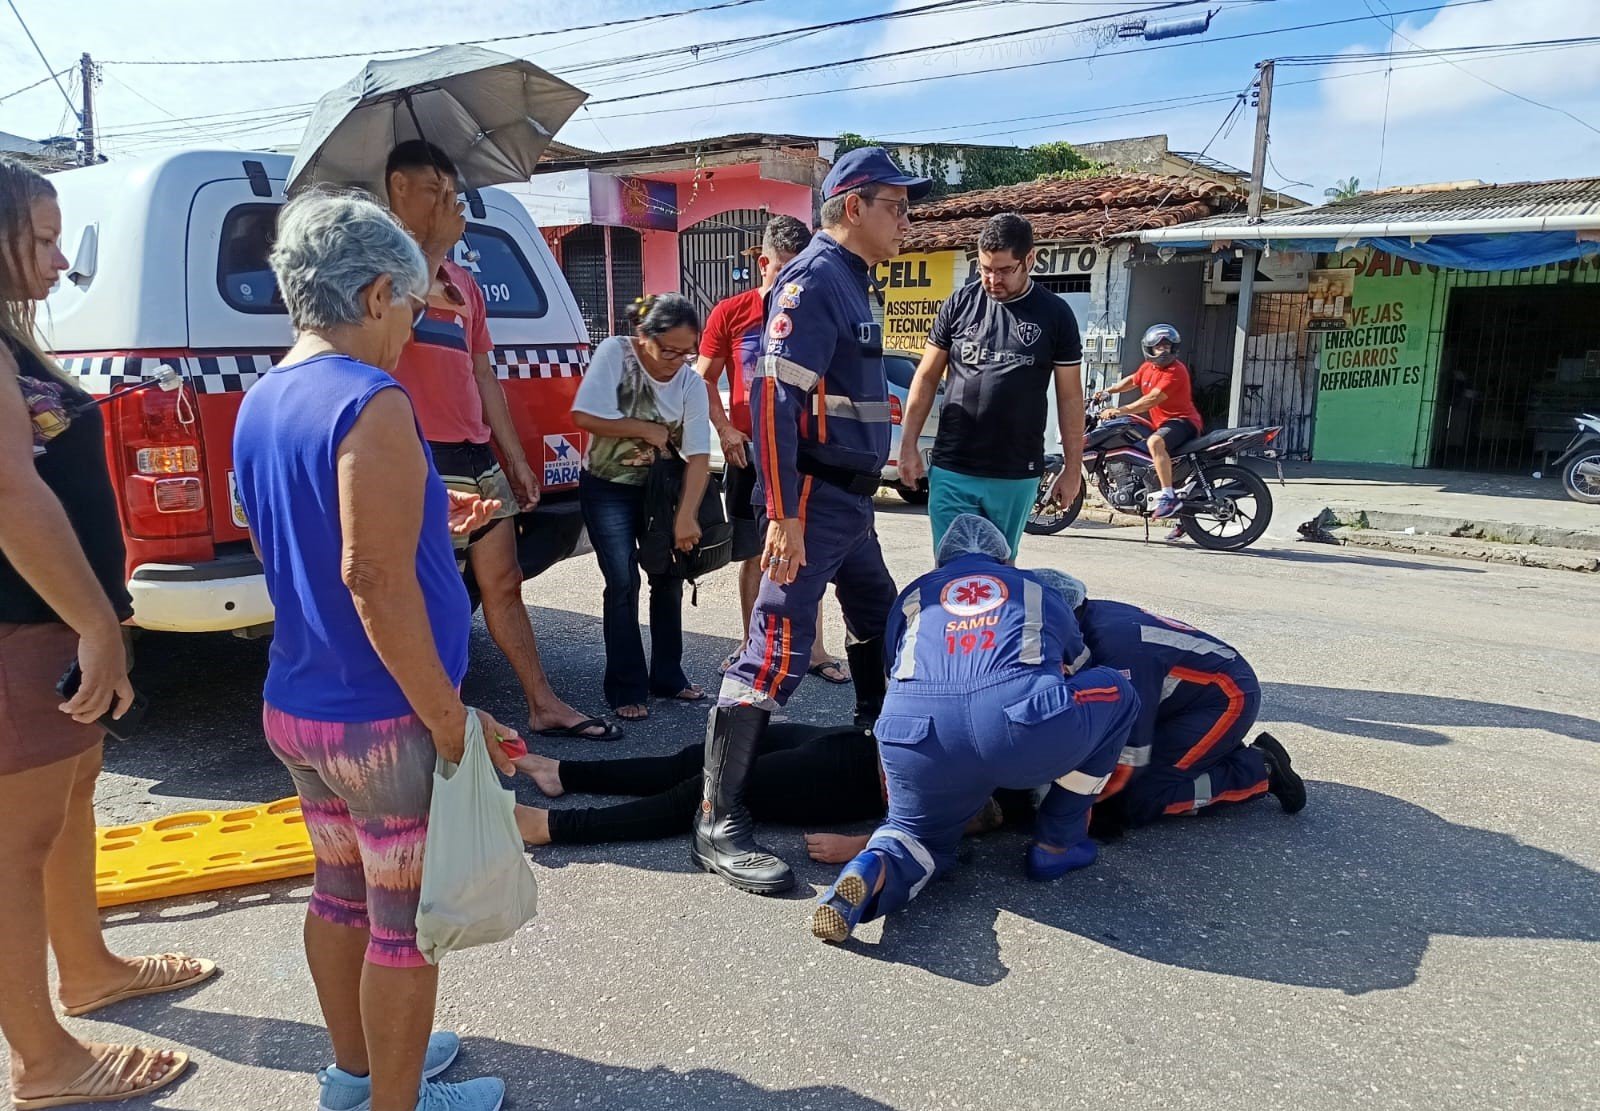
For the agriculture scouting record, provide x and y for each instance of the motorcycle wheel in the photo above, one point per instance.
(1047, 520)
(1584, 486)
(1249, 510)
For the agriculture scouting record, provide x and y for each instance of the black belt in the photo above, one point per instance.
(854, 482)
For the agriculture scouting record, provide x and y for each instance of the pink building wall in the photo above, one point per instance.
(730, 188)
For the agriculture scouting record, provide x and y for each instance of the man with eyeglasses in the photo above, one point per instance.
(1003, 339)
(819, 402)
(463, 412)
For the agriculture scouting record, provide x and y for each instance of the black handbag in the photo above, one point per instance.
(658, 552)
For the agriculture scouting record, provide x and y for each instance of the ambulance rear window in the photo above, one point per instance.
(510, 288)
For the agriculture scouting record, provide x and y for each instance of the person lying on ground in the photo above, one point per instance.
(978, 701)
(803, 775)
(1199, 698)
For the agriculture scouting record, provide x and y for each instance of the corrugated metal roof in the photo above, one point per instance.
(1080, 210)
(1521, 200)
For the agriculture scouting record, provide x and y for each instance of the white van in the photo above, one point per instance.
(169, 266)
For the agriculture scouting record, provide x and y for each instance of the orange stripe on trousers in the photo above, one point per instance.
(783, 666)
(1229, 717)
(1237, 795)
(766, 663)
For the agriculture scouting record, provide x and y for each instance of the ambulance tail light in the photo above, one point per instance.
(156, 438)
(895, 412)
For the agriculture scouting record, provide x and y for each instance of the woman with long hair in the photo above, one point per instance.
(640, 395)
(62, 596)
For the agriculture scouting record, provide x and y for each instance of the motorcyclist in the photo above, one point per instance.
(1167, 396)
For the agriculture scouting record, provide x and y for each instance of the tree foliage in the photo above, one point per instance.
(981, 167)
(1343, 190)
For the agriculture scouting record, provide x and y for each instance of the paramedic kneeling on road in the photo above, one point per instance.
(819, 403)
(1198, 699)
(977, 701)
(1165, 394)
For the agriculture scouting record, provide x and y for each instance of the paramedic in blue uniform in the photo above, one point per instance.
(1199, 698)
(977, 701)
(819, 404)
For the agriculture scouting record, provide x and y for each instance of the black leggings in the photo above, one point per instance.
(804, 774)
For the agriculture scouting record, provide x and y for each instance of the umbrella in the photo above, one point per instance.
(491, 113)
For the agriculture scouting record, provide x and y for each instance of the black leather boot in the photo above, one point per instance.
(870, 679)
(724, 838)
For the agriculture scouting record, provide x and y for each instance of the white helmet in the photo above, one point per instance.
(1160, 333)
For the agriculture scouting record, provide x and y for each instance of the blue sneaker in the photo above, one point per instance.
(1042, 864)
(842, 905)
(486, 1093)
(1166, 505)
(343, 1091)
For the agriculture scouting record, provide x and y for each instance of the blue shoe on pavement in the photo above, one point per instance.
(843, 904)
(1042, 864)
(343, 1091)
(1166, 505)
(486, 1093)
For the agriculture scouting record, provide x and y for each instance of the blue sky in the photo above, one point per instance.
(1414, 123)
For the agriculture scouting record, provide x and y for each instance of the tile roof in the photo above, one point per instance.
(1083, 210)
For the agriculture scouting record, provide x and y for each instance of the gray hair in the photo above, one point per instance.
(970, 534)
(330, 247)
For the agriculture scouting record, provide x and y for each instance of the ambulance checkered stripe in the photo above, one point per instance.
(540, 362)
(215, 374)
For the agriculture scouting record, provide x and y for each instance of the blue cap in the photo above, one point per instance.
(871, 166)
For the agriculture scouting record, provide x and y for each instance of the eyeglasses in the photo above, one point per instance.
(421, 308)
(899, 207)
(672, 353)
(1001, 271)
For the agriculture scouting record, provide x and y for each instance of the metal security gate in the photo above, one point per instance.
(712, 263)
(1516, 364)
(1280, 370)
(583, 263)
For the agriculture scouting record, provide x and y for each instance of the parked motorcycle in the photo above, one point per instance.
(1225, 506)
(1580, 462)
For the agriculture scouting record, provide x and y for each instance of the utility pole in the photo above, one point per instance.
(1247, 275)
(86, 117)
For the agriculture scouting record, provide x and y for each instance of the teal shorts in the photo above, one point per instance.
(1007, 502)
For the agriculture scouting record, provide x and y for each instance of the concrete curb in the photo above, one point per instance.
(1523, 555)
(1462, 528)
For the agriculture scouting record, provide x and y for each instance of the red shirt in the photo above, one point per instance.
(1172, 380)
(436, 366)
(733, 334)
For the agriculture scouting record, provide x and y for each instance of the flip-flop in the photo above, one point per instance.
(101, 1081)
(838, 676)
(579, 732)
(690, 695)
(148, 981)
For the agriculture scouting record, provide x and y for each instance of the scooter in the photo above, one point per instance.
(1225, 506)
(1580, 462)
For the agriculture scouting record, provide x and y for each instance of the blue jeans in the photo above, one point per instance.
(613, 513)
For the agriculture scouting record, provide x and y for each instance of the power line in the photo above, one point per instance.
(722, 4)
(35, 85)
(54, 74)
(795, 71)
(993, 70)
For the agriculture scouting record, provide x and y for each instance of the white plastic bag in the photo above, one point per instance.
(477, 886)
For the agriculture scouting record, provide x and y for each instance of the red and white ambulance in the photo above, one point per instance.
(169, 267)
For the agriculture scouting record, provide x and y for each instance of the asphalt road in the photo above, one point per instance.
(1423, 935)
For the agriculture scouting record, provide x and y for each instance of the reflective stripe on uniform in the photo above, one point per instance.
(906, 666)
(1031, 650)
(744, 694)
(1202, 790)
(1080, 663)
(1136, 756)
(919, 852)
(835, 405)
(789, 373)
(1185, 642)
(1080, 783)
(1168, 686)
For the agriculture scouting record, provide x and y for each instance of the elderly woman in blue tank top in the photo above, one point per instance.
(353, 527)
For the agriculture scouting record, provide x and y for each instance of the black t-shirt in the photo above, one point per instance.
(73, 465)
(1002, 358)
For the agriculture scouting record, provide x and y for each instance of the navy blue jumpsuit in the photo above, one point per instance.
(977, 701)
(1199, 698)
(819, 403)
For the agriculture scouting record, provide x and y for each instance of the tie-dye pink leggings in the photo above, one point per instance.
(364, 788)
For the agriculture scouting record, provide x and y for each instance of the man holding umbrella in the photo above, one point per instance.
(462, 408)
(820, 409)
